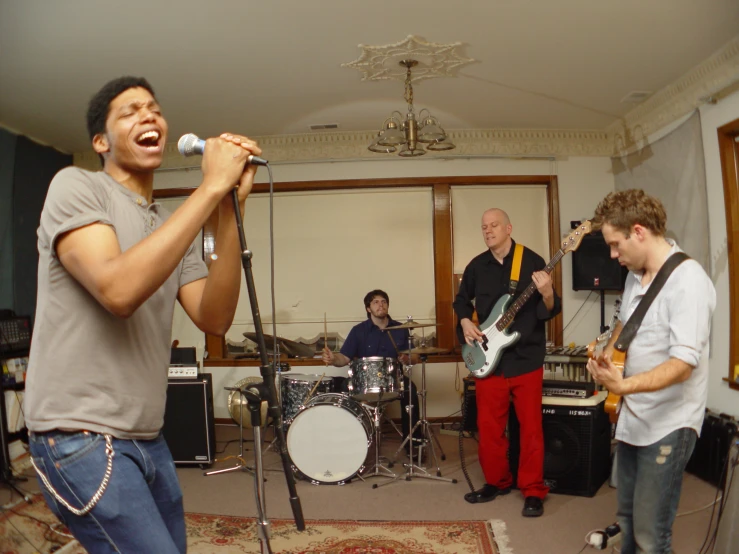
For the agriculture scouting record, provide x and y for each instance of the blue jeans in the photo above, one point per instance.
(649, 479)
(141, 509)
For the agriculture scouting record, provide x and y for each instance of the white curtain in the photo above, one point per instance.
(673, 169)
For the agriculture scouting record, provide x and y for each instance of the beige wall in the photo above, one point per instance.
(582, 183)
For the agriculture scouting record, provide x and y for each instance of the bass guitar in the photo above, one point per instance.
(596, 350)
(483, 356)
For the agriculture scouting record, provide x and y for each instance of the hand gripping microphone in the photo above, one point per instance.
(191, 145)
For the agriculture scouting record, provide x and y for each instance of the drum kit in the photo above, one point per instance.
(332, 423)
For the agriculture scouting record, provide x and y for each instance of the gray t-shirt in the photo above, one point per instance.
(89, 369)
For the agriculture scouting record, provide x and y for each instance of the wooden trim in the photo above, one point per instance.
(732, 384)
(215, 345)
(443, 247)
(729, 151)
(444, 266)
(300, 362)
(554, 325)
(380, 183)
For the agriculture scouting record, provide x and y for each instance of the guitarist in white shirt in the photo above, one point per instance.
(520, 370)
(664, 383)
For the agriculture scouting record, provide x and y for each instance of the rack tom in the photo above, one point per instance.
(373, 379)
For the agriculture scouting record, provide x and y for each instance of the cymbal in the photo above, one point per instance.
(421, 350)
(412, 325)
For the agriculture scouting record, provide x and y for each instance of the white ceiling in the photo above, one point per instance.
(274, 67)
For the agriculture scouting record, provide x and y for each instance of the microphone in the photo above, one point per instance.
(191, 145)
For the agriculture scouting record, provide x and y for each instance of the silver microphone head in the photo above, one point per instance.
(190, 145)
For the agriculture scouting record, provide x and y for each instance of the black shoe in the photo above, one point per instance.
(532, 507)
(485, 494)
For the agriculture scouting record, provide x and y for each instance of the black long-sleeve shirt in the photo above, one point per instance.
(485, 280)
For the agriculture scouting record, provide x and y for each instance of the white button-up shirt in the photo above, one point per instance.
(677, 325)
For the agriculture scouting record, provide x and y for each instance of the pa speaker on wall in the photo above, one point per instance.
(593, 268)
(577, 446)
(189, 426)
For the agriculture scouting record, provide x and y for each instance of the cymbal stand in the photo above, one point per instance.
(241, 465)
(378, 469)
(427, 435)
(427, 432)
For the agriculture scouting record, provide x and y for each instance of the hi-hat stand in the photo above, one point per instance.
(255, 393)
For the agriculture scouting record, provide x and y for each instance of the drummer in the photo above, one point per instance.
(369, 339)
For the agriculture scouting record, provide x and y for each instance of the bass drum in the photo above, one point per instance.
(329, 438)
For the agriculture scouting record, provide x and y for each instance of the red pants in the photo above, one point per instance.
(493, 396)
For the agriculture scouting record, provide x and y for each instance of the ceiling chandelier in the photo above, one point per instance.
(410, 134)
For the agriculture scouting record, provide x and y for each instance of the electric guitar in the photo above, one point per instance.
(596, 350)
(483, 356)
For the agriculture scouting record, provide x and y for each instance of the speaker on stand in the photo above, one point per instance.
(593, 269)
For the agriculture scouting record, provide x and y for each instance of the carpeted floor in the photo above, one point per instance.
(31, 528)
(566, 521)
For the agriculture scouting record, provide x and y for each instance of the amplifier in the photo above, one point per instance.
(469, 405)
(189, 426)
(708, 460)
(577, 444)
(570, 389)
(183, 371)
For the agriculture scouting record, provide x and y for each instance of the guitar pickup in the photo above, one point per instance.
(484, 343)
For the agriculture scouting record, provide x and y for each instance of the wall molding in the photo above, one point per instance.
(713, 78)
(337, 146)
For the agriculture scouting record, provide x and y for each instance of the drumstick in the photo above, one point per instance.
(325, 333)
(314, 388)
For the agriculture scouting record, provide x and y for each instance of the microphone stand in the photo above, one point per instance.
(255, 394)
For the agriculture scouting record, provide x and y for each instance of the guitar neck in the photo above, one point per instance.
(507, 318)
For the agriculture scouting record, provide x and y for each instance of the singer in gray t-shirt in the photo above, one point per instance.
(112, 263)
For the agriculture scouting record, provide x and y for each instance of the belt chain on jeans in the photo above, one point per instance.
(109, 452)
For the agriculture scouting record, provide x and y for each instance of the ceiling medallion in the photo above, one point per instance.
(434, 60)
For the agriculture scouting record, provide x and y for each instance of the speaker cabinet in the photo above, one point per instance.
(708, 460)
(469, 405)
(189, 426)
(577, 446)
(593, 268)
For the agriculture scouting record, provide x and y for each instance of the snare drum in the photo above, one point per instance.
(373, 379)
(329, 438)
(295, 389)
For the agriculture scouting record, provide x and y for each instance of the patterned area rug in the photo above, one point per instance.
(31, 528)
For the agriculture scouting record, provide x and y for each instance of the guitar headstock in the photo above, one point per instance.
(573, 240)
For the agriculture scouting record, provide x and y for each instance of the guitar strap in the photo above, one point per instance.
(515, 268)
(632, 325)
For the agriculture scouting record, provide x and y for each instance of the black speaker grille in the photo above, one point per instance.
(577, 448)
(189, 426)
(593, 268)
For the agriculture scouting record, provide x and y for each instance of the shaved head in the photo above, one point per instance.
(496, 230)
(503, 217)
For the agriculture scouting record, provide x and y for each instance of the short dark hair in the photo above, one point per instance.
(370, 296)
(99, 106)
